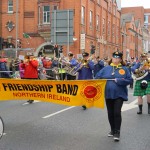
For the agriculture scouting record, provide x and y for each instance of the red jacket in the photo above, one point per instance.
(30, 69)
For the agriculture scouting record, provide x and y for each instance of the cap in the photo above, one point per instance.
(84, 54)
(144, 55)
(117, 54)
(70, 54)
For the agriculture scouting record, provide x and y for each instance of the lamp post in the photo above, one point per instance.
(16, 26)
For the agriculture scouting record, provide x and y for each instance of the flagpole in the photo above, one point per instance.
(16, 27)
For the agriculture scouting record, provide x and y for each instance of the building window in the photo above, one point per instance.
(132, 26)
(83, 15)
(108, 28)
(91, 19)
(113, 30)
(46, 14)
(146, 19)
(114, 10)
(97, 22)
(117, 34)
(109, 6)
(98, 1)
(10, 6)
(103, 26)
(55, 7)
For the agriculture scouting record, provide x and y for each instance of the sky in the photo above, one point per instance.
(134, 3)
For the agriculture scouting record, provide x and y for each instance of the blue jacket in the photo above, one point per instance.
(73, 62)
(86, 71)
(115, 89)
(98, 67)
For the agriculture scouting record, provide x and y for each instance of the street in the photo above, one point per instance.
(47, 126)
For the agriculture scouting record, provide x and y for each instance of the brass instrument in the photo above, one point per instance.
(84, 63)
(74, 70)
(142, 71)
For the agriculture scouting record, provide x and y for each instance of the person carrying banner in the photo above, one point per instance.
(85, 69)
(142, 81)
(118, 77)
(30, 67)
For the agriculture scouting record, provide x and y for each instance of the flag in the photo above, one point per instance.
(25, 35)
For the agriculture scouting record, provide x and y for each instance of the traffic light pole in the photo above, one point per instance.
(16, 27)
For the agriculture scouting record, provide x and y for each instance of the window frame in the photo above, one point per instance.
(91, 19)
(46, 15)
(10, 6)
(82, 15)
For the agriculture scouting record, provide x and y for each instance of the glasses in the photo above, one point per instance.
(116, 56)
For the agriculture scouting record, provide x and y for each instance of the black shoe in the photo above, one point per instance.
(111, 134)
(139, 112)
(149, 108)
(30, 101)
(84, 107)
(117, 136)
(131, 86)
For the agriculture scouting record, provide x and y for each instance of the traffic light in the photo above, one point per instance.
(61, 49)
(19, 44)
(92, 49)
(1, 43)
(56, 51)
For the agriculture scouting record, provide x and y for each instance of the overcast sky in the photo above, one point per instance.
(134, 3)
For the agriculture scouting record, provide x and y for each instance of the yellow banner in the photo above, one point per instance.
(71, 93)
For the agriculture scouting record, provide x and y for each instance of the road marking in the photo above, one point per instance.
(130, 93)
(26, 103)
(58, 112)
(131, 105)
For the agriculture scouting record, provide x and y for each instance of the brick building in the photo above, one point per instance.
(97, 21)
(140, 13)
(142, 28)
(131, 36)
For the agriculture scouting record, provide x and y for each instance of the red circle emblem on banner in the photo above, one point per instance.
(90, 91)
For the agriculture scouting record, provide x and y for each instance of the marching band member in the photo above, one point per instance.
(30, 67)
(85, 69)
(115, 91)
(61, 69)
(141, 88)
(72, 62)
(98, 65)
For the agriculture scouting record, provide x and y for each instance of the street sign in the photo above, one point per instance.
(82, 41)
(62, 27)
